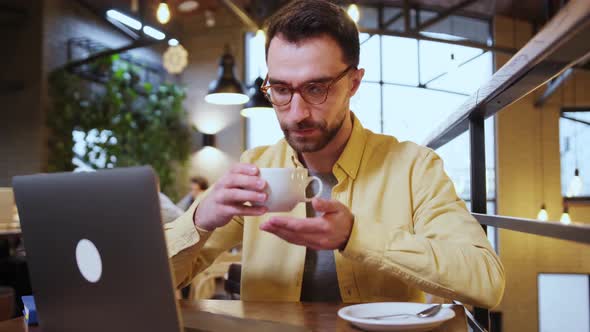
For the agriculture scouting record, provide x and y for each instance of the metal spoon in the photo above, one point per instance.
(428, 312)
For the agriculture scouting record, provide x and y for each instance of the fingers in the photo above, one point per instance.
(325, 205)
(245, 177)
(249, 182)
(226, 199)
(307, 225)
(312, 241)
(244, 210)
(247, 169)
(232, 196)
(289, 236)
(304, 232)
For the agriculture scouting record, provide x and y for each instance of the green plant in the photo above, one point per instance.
(123, 121)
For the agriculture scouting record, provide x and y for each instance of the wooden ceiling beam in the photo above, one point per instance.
(248, 21)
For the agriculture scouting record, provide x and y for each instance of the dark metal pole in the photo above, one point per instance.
(575, 109)
(478, 163)
(406, 11)
(576, 120)
(478, 187)
(380, 19)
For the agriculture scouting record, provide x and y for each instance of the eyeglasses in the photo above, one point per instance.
(314, 93)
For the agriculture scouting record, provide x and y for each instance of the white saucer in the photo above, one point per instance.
(355, 313)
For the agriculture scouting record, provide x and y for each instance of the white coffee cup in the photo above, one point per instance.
(285, 188)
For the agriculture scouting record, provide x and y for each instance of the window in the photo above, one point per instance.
(574, 133)
(88, 153)
(564, 302)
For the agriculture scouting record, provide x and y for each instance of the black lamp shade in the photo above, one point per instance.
(226, 83)
(258, 104)
(257, 98)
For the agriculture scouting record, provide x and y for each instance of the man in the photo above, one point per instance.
(198, 185)
(393, 226)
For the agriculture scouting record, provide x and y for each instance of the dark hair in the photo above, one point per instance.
(303, 19)
(201, 181)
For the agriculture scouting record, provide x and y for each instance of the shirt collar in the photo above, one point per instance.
(350, 159)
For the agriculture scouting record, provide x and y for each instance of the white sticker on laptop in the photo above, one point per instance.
(88, 260)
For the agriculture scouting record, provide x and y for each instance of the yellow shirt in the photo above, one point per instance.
(411, 233)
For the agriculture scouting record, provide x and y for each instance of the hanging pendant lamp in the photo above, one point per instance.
(565, 217)
(543, 216)
(226, 89)
(258, 103)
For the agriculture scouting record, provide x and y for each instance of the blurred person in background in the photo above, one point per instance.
(198, 185)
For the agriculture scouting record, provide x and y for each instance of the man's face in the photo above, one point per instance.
(308, 127)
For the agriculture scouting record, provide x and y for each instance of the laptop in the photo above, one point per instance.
(97, 255)
(95, 246)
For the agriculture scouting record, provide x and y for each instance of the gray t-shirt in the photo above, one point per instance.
(320, 281)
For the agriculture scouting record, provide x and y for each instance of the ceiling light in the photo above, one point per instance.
(156, 34)
(576, 185)
(226, 89)
(543, 216)
(354, 12)
(565, 217)
(258, 103)
(226, 98)
(209, 19)
(128, 21)
(188, 6)
(163, 13)
(175, 59)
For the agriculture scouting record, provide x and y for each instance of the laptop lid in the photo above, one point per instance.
(96, 251)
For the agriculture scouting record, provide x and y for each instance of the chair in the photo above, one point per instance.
(232, 280)
(203, 285)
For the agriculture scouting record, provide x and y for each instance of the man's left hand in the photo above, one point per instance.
(329, 230)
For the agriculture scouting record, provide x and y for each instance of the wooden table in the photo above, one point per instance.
(317, 317)
(314, 316)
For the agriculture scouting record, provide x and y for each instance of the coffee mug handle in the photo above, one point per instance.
(310, 180)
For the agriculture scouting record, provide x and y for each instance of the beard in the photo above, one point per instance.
(312, 144)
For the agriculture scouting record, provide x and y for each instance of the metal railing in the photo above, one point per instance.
(559, 46)
(572, 232)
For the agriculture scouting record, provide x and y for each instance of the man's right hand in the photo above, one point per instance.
(227, 197)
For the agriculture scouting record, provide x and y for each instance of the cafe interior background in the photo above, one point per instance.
(94, 84)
